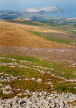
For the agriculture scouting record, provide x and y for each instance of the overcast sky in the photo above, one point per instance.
(23, 4)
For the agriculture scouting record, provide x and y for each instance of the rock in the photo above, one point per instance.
(7, 90)
(33, 79)
(39, 80)
(39, 100)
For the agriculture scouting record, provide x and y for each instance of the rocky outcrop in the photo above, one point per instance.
(40, 100)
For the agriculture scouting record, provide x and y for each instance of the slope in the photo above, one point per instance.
(21, 35)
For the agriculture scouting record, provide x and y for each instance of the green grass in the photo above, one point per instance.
(6, 60)
(60, 85)
(60, 69)
(19, 71)
(58, 40)
(55, 39)
(30, 85)
(66, 27)
(65, 87)
(3, 82)
(1, 92)
(34, 60)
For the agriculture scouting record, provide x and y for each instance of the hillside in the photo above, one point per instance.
(37, 65)
(23, 35)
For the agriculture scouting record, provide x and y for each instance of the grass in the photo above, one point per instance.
(1, 92)
(62, 69)
(18, 35)
(3, 83)
(55, 38)
(30, 85)
(66, 27)
(59, 69)
(33, 60)
(34, 29)
(60, 85)
(7, 96)
(19, 71)
(65, 87)
(61, 28)
(26, 22)
(6, 60)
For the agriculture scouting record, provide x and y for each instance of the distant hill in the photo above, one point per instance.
(46, 14)
(44, 10)
(30, 13)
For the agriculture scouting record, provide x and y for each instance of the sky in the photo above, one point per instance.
(14, 5)
(23, 4)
